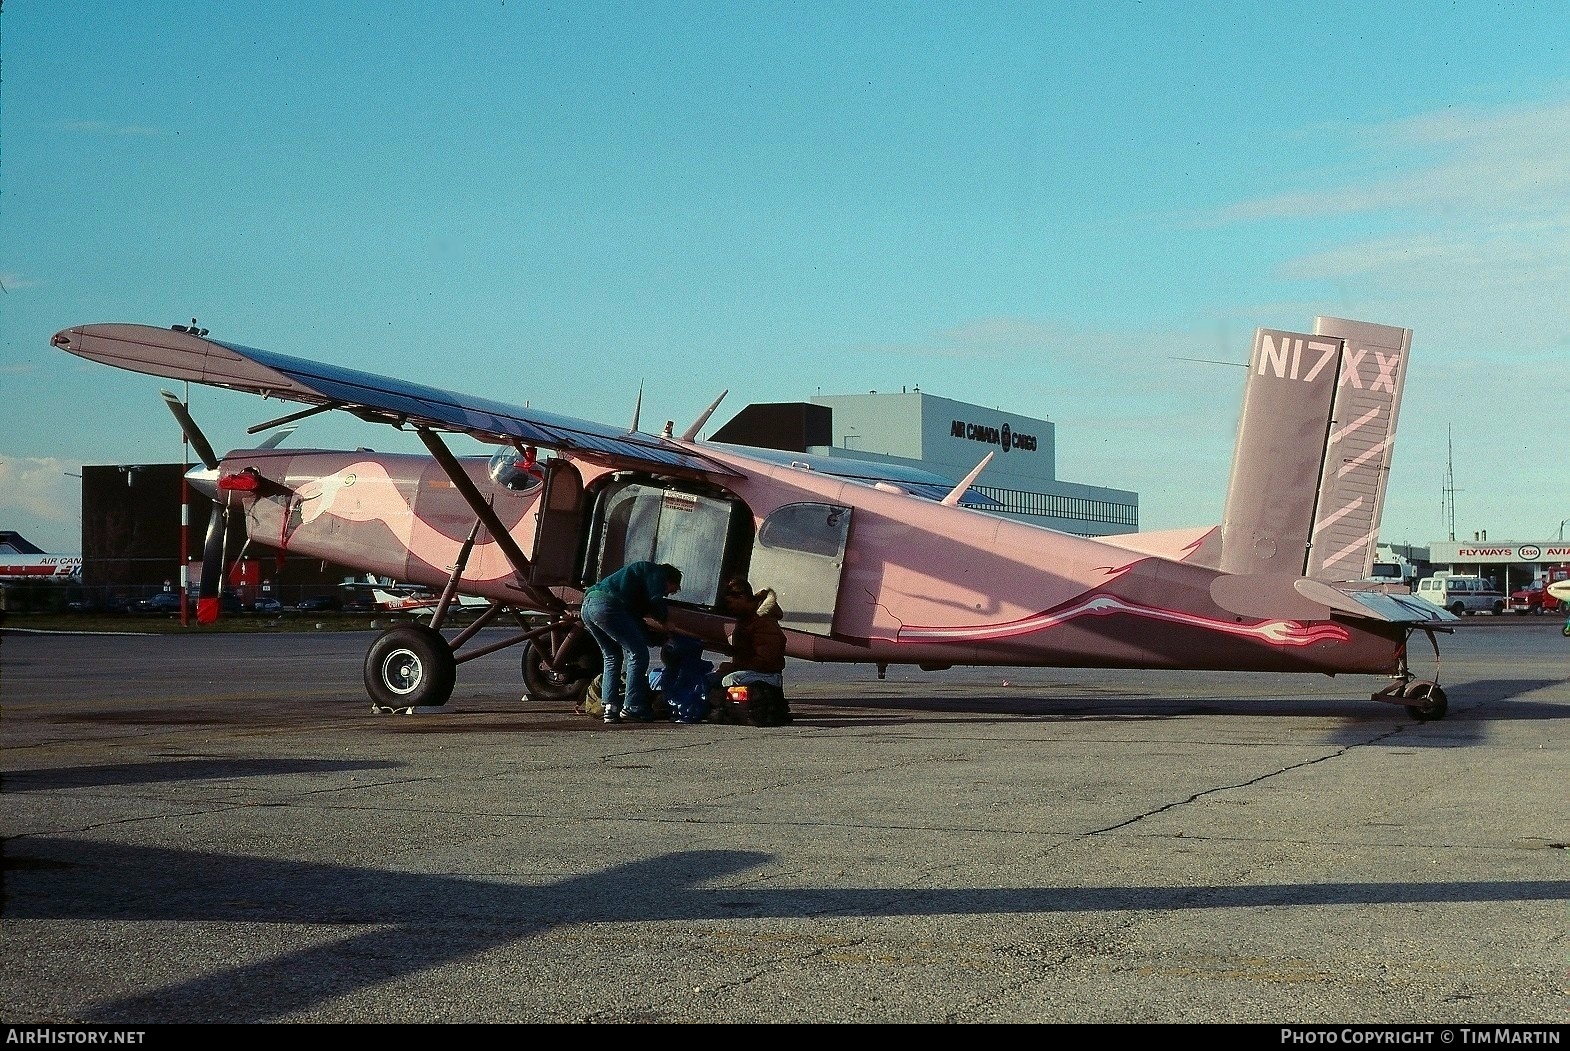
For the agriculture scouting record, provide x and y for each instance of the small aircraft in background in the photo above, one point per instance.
(1560, 589)
(390, 596)
(40, 567)
(20, 559)
(873, 563)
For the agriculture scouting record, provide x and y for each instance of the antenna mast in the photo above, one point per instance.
(1448, 494)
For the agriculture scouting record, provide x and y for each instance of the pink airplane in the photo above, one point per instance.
(872, 563)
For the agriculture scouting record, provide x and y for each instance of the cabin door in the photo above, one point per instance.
(800, 552)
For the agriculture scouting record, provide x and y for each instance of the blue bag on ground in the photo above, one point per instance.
(683, 681)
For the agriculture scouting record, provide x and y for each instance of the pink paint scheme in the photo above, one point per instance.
(866, 571)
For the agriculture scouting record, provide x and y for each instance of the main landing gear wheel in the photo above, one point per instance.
(569, 681)
(410, 666)
(1426, 701)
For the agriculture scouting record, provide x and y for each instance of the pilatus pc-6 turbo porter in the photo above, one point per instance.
(872, 563)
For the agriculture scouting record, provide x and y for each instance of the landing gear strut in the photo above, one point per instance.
(1423, 699)
(559, 666)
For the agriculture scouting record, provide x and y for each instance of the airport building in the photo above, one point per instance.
(1508, 565)
(948, 438)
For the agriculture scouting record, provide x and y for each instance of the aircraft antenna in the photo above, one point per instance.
(692, 432)
(637, 407)
(959, 490)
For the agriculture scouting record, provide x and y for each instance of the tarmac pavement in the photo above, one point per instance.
(216, 828)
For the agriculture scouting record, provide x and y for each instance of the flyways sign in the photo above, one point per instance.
(1004, 436)
(1519, 553)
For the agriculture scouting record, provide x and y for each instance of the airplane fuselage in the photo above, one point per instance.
(918, 582)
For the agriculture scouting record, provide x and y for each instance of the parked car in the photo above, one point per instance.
(267, 605)
(162, 602)
(317, 604)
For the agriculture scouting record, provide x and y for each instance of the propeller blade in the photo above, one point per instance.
(193, 433)
(212, 565)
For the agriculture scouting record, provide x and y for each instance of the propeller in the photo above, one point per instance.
(211, 586)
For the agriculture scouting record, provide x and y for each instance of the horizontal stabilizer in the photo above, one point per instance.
(1400, 609)
(1274, 595)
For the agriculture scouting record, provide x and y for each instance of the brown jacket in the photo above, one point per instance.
(758, 644)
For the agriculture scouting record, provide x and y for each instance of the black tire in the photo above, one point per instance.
(410, 666)
(1499, 609)
(1457, 608)
(1428, 701)
(569, 682)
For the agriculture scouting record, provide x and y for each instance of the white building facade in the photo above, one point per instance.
(948, 438)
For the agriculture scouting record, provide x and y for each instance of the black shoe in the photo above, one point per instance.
(636, 717)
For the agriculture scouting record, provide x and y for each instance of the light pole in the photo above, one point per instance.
(1562, 522)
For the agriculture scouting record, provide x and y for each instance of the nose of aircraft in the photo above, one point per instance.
(204, 480)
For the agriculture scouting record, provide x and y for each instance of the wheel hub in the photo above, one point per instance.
(402, 671)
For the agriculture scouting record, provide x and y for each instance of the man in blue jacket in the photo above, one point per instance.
(615, 611)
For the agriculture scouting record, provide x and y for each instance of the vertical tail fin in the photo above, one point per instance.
(1313, 450)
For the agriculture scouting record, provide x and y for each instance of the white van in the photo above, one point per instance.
(1460, 594)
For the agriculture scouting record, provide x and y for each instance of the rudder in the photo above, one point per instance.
(1313, 450)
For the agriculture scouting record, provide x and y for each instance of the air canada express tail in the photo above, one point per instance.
(1313, 450)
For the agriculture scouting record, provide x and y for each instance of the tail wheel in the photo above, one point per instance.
(1426, 701)
(410, 666)
(567, 681)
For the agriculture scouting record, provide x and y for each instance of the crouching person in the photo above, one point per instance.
(757, 652)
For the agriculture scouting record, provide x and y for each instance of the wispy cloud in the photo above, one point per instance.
(1456, 218)
(98, 127)
(1467, 161)
(11, 281)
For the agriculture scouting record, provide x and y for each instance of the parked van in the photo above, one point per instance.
(1461, 594)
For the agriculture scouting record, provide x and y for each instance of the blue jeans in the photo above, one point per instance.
(625, 648)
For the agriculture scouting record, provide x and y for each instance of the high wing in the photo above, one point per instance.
(185, 356)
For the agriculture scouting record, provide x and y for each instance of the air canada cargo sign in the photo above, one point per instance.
(1002, 436)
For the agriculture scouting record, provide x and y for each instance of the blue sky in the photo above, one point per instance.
(1048, 208)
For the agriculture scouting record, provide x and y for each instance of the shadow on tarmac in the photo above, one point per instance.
(414, 922)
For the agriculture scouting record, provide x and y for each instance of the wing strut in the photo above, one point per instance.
(541, 598)
(293, 416)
